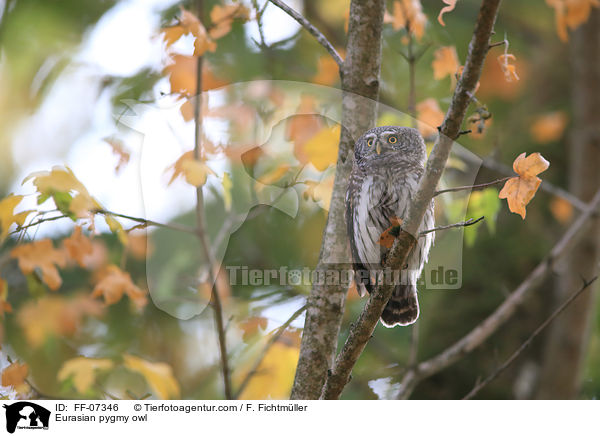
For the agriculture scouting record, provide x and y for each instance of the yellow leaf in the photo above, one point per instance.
(193, 171)
(272, 176)
(519, 191)
(41, 254)
(158, 375)
(430, 116)
(322, 148)
(320, 192)
(83, 371)
(115, 283)
(451, 5)
(58, 179)
(78, 246)
(445, 63)
(227, 185)
(14, 375)
(549, 127)
(49, 316)
(7, 215)
(275, 374)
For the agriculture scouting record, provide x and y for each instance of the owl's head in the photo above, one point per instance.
(390, 142)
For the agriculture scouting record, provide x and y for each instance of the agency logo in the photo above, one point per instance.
(26, 415)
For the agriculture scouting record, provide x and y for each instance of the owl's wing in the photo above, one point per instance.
(361, 272)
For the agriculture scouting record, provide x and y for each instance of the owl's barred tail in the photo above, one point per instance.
(403, 307)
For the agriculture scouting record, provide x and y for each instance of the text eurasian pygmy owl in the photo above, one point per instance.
(388, 166)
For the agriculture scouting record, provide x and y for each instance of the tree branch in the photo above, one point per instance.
(480, 385)
(266, 349)
(363, 329)
(471, 187)
(312, 30)
(201, 231)
(172, 226)
(466, 223)
(487, 327)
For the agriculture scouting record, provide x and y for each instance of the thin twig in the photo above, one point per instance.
(466, 223)
(312, 30)
(471, 187)
(216, 303)
(146, 222)
(266, 349)
(480, 385)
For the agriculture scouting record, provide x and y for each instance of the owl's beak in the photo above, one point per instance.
(378, 147)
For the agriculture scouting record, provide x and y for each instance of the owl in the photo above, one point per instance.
(389, 162)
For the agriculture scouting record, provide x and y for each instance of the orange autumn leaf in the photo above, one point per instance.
(561, 209)
(509, 69)
(138, 245)
(451, 4)
(7, 215)
(445, 63)
(114, 284)
(519, 191)
(182, 77)
(5, 306)
(252, 326)
(41, 254)
(190, 24)
(118, 149)
(570, 14)
(78, 246)
(222, 18)
(548, 127)
(328, 71)
(14, 375)
(430, 116)
(386, 239)
(407, 14)
(55, 316)
(272, 176)
(193, 171)
(321, 149)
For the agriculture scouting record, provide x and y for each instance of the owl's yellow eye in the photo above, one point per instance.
(392, 139)
(370, 143)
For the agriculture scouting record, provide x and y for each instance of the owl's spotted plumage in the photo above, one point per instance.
(388, 166)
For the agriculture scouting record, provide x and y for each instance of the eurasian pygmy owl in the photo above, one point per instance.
(388, 166)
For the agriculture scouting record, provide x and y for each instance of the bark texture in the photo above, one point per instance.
(566, 343)
(360, 83)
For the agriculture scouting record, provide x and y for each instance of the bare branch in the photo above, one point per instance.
(363, 329)
(466, 223)
(146, 222)
(312, 30)
(487, 327)
(266, 349)
(471, 187)
(480, 385)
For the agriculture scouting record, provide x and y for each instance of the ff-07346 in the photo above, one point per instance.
(96, 407)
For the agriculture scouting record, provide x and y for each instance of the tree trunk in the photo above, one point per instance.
(360, 83)
(567, 340)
